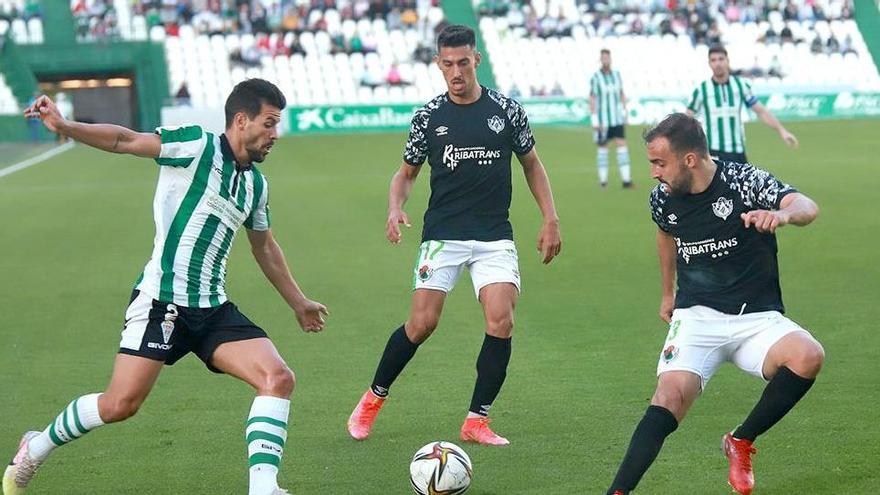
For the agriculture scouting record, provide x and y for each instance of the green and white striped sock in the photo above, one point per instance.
(78, 418)
(266, 433)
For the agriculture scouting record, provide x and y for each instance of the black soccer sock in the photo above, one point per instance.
(398, 351)
(657, 423)
(780, 395)
(491, 371)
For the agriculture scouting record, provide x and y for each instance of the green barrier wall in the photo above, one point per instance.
(568, 111)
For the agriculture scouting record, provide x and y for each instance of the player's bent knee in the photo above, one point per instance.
(115, 409)
(418, 329)
(500, 327)
(672, 400)
(810, 361)
(278, 382)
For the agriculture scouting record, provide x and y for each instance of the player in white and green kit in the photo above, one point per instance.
(608, 108)
(208, 188)
(718, 103)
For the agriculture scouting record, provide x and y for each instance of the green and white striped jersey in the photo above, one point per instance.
(719, 107)
(607, 88)
(202, 198)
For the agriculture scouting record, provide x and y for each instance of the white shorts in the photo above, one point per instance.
(440, 263)
(700, 339)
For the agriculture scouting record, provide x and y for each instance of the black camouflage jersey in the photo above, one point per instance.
(469, 148)
(720, 263)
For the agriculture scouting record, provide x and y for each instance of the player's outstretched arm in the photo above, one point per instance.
(666, 252)
(310, 314)
(401, 186)
(771, 120)
(795, 209)
(107, 137)
(549, 239)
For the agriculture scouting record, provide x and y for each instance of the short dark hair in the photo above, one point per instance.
(249, 95)
(604, 51)
(684, 133)
(455, 35)
(717, 49)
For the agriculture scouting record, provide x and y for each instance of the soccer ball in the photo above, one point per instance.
(440, 468)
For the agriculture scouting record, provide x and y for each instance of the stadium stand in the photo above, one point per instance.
(561, 40)
(354, 52)
(376, 52)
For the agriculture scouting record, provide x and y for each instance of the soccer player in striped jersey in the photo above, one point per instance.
(208, 187)
(718, 103)
(608, 108)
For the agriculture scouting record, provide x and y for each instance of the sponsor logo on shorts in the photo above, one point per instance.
(156, 345)
(670, 353)
(425, 273)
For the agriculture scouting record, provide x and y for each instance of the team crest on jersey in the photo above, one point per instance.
(722, 208)
(496, 123)
(670, 353)
(425, 273)
(442, 130)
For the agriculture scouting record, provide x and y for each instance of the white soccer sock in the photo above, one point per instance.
(266, 433)
(78, 418)
(602, 162)
(623, 163)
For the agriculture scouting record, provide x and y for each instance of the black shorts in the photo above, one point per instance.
(729, 157)
(167, 332)
(615, 131)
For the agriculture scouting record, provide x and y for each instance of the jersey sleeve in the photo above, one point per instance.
(763, 189)
(748, 97)
(695, 103)
(180, 145)
(521, 136)
(416, 151)
(259, 219)
(656, 202)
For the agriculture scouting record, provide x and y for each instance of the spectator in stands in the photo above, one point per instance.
(790, 13)
(259, 22)
(295, 47)
(775, 67)
(409, 17)
(394, 78)
(847, 46)
(243, 19)
(515, 16)
(182, 96)
(786, 35)
(394, 21)
(424, 54)
(769, 36)
(833, 44)
(816, 45)
(290, 21)
(514, 92)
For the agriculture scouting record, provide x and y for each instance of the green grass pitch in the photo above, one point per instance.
(78, 230)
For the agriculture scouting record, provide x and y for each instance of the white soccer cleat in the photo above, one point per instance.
(280, 491)
(21, 470)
